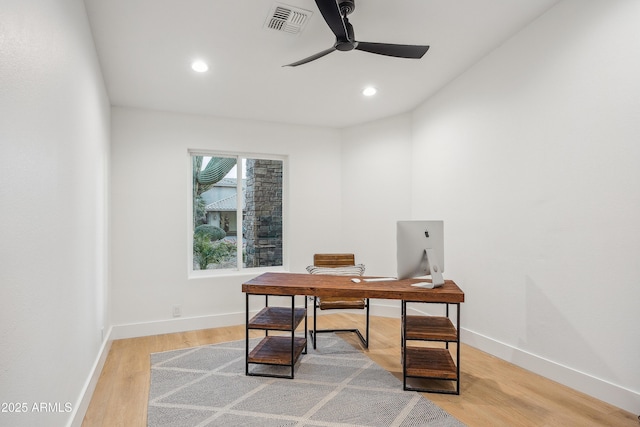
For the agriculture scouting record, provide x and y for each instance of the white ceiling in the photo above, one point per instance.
(146, 47)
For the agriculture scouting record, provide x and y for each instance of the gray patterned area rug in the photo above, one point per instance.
(335, 385)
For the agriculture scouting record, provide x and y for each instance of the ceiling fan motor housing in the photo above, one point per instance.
(347, 6)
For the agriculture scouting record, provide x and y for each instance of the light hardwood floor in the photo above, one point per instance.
(493, 392)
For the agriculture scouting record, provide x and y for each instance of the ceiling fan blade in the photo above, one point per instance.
(311, 58)
(331, 13)
(397, 50)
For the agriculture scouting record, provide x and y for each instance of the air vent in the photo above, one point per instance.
(287, 19)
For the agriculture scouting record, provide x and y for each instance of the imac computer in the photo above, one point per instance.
(420, 250)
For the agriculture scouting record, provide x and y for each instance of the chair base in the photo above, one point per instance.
(365, 341)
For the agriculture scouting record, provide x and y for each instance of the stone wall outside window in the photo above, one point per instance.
(263, 214)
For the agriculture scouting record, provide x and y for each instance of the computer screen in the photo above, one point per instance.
(420, 250)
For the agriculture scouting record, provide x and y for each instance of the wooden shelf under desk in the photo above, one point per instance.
(277, 319)
(422, 361)
(430, 363)
(431, 328)
(277, 350)
(281, 349)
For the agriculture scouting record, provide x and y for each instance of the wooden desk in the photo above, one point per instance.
(418, 362)
(342, 286)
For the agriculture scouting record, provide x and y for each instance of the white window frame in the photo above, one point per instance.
(238, 270)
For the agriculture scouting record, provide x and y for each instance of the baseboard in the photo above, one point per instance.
(179, 324)
(385, 308)
(170, 326)
(80, 409)
(613, 394)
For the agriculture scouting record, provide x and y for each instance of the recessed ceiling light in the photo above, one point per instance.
(369, 91)
(199, 66)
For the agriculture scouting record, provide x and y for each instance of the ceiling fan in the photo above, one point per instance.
(335, 14)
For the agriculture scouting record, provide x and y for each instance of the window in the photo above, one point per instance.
(237, 212)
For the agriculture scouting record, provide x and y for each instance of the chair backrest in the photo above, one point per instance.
(334, 260)
(329, 261)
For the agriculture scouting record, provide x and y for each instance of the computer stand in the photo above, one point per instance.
(434, 267)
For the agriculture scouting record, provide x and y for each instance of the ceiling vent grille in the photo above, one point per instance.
(287, 19)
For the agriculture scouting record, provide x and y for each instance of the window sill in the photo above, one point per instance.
(215, 274)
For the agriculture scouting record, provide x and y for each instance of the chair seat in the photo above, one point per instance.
(329, 303)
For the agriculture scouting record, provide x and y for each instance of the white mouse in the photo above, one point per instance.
(354, 280)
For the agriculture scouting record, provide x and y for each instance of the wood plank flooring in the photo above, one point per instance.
(493, 392)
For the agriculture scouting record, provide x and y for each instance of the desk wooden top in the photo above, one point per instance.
(342, 286)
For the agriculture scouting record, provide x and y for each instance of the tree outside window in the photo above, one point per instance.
(237, 212)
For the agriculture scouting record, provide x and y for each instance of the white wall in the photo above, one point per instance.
(151, 181)
(375, 172)
(54, 138)
(532, 160)
(375, 194)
